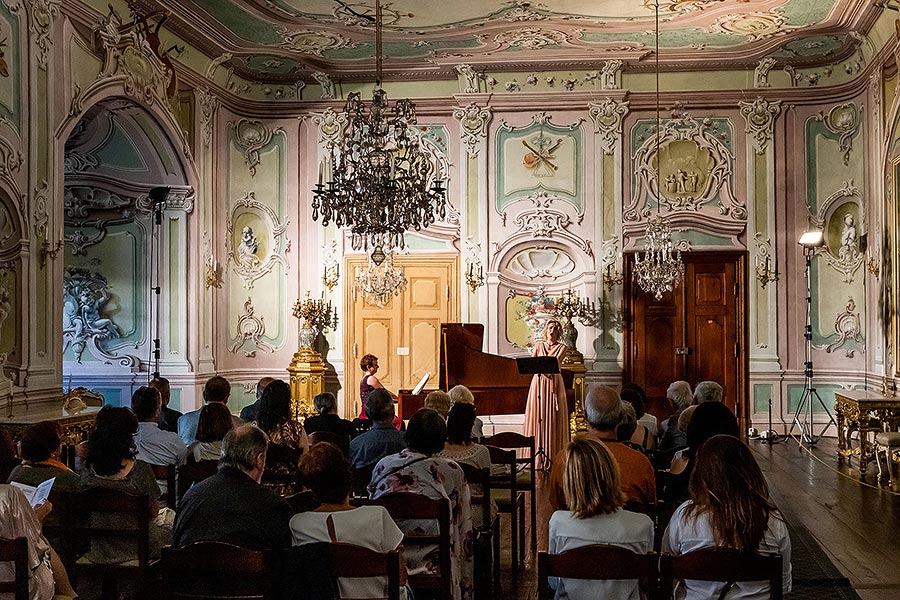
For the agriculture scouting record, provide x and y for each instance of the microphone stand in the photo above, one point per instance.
(158, 197)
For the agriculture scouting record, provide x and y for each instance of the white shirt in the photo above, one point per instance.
(686, 534)
(622, 528)
(650, 422)
(367, 526)
(158, 447)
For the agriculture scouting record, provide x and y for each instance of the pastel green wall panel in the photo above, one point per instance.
(762, 393)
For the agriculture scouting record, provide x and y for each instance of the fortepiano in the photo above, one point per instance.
(494, 380)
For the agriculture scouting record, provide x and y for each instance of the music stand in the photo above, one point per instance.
(539, 365)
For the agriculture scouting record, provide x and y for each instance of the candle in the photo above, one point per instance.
(321, 172)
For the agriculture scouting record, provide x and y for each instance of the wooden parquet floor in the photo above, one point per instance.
(856, 523)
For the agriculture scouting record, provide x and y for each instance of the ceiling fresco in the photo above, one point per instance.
(282, 41)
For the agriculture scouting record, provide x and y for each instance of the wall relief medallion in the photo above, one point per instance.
(308, 41)
(760, 116)
(843, 121)
(473, 121)
(250, 327)
(541, 261)
(531, 38)
(847, 329)
(841, 217)
(251, 136)
(256, 239)
(755, 26)
(608, 117)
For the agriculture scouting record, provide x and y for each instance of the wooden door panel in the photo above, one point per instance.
(377, 340)
(424, 349)
(660, 363)
(424, 292)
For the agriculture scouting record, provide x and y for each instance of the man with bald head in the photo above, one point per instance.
(603, 408)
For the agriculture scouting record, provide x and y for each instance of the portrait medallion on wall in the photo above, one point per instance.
(256, 239)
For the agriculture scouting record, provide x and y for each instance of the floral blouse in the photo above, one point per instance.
(434, 477)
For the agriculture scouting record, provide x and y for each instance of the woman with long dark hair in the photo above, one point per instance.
(729, 508)
(275, 417)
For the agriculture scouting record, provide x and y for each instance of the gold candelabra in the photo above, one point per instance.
(317, 315)
(475, 279)
(612, 277)
(570, 306)
(765, 274)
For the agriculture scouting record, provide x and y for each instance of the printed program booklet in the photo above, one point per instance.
(35, 495)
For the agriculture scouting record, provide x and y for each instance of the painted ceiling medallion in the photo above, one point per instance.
(308, 41)
(756, 26)
(532, 38)
(681, 6)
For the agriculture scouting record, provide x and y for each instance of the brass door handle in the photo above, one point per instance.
(682, 350)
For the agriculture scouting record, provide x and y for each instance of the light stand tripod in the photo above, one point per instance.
(158, 197)
(803, 417)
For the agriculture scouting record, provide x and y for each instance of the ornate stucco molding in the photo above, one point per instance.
(473, 121)
(251, 136)
(842, 254)
(250, 327)
(330, 125)
(327, 83)
(470, 76)
(543, 221)
(847, 329)
(243, 254)
(209, 104)
(761, 72)
(42, 15)
(608, 117)
(611, 74)
(760, 116)
(843, 121)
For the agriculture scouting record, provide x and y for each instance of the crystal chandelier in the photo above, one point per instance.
(380, 182)
(659, 270)
(380, 280)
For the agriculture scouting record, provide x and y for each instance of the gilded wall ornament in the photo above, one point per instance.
(250, 327)
(251, 136)
(473, 121)
(608, 117)
(764, 265)
(255, 238)
(760, 115)
(843, 121)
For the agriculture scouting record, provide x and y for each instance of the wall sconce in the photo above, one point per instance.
(475, 278)
(331, 274)
(764, 272)
(612, 277)
(873, 263)
(49, 251)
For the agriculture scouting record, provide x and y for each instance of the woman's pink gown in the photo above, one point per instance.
(546, 413)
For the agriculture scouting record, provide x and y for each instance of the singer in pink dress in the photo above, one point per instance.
(546, 413)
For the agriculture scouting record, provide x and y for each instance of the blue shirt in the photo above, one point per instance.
(381, 440)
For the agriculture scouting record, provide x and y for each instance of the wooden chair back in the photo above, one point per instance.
(721, 564)
(597, 561)
(361, 478)
(193, 472)
(215, 570)
(166, 473)
(281, 468)
(347, 560)
(406, 506)
(481, 478)
(341, 441)
(526, 480)
(128, 518)
(16, 552)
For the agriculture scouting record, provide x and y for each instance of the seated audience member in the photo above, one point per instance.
(328, 419)
(232, 506)
(460, 448)
(110, 463)
(168, 417)
(275, 417)
(646, 427)
(461, 394)
(418, 471)
(216, 389)
(707, 391)
(8, 458)
(439, 402)
(154, 446)
(382, 439)
(47, 573)
(627, 427)
(594, 496)
(250, 413)
(40, 448)
(603, 410)
(729, 507)
(680, 397)
(326, 472)
(706, 420)
(215, 423)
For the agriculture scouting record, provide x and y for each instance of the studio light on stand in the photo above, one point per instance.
(803, 416)
(158, 197)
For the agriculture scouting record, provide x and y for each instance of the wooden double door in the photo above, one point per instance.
(697, 332)
(405, 333)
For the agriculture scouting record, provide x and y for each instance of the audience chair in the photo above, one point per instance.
(362, 476)
(406, 506)
(215, 570)
(193, 472)
(341, 441)
(361, 426)
(720, 564)
(489, 535)
(16, 552)
(509, 499)
(510, 440)
(597, 561)
(887, 444)
(347, 560)
(166, 473)
(304, 501)
(281, 469)
(129, 520)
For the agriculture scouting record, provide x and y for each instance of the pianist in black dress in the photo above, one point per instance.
(369, 365)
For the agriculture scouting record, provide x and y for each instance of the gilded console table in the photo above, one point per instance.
(75, 428)
(866, 412)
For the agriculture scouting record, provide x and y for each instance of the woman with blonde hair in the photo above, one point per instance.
(593, 490)
(460, 394)
(729, 508)
(546, 413)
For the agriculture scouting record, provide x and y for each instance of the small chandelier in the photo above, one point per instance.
(380, 182)
(381, 278)
(659, 270)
